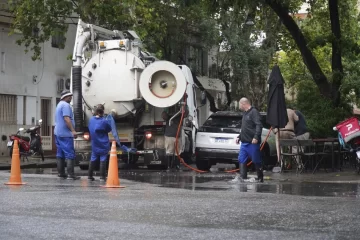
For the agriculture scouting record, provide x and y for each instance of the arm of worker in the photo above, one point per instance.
(238, 139)
(107, 126)
(67, 112)
(295, 116)
(256, 119)
(70, 126)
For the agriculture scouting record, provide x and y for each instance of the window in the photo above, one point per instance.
(8, 109)
(58, 41)
(3, 62)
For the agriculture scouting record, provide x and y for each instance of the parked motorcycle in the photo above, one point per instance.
(28, 146)
(349, 137)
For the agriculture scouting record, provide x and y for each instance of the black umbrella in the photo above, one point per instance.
(276, 113)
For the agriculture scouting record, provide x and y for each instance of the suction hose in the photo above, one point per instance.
(177, 144)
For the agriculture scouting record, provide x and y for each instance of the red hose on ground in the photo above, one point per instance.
(176, 141)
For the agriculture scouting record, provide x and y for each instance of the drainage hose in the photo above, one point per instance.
(177, 142)
(77, 98)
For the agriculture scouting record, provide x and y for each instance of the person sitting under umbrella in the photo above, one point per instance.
(288, 132)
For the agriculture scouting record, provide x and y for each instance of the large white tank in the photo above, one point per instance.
(111, 75)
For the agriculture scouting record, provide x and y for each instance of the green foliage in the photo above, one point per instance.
(38, 20)
(319, 112)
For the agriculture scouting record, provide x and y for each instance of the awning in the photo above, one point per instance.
(212, 84)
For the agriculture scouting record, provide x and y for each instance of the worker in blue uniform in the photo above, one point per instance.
(64, 136)
(99, 129)
(250, 137)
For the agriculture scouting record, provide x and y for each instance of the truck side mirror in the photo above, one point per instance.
(203, 98)
(40, 121)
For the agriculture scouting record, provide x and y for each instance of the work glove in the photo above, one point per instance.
(128, 150)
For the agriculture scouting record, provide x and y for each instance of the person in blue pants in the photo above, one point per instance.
(64, 136)
(99, 129)
(250, 137)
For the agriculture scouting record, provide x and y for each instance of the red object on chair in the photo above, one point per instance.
(349, 129)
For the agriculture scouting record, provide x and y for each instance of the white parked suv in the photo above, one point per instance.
(216, 141)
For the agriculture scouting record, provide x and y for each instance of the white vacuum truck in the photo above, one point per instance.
(110, 68)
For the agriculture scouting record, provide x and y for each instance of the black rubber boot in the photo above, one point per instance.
(169, 162)
(103, 165)
(243, 171)
(176, 163)
(259, 172)
(70, 164)
(61, 167)
(91, 170)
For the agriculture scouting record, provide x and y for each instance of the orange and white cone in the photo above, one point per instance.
(113, 180)
(15, 175)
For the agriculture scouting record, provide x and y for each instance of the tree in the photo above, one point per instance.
(39, 20)
(317, 28)
(285, 9)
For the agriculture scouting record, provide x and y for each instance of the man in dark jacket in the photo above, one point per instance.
(170, 139)
(250, 138)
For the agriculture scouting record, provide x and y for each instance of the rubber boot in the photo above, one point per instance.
(176, 163)
(91, 170)
(103, 166)
(60, 162)
(259, 172)
(243, 171)
(70, 164)
(169, 162)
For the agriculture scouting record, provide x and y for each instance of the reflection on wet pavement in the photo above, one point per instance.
(220, 182)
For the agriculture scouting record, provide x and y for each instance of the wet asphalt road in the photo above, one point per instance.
(161, 205)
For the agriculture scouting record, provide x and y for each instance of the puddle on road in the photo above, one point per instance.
(220, 182)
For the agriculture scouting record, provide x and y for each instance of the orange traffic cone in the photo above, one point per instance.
(113, 173)
(15, 175)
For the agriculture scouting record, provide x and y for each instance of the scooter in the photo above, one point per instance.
(349, 137)
(28, 146)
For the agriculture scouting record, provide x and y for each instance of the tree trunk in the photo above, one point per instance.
(309, 59)
(336, 63)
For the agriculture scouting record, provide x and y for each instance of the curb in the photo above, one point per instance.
(30, 165)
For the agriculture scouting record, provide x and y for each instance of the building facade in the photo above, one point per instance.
(29, 90)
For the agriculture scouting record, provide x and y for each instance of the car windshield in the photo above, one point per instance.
(223, 122)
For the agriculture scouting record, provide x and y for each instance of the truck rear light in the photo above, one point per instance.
(148, 135)
(87, 136)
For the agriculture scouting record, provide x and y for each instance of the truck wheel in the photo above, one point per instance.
(84, 166)
(203, 165)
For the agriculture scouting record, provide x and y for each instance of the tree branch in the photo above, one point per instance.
(336, 63)
(309, 59)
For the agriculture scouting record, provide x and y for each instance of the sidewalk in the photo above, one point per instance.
(32, 162)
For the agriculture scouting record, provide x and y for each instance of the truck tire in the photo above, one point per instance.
(84, 166)
(203, 165)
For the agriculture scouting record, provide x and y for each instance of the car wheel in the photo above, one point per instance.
(203, 165)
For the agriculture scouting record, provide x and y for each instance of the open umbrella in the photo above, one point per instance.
(276, 113)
